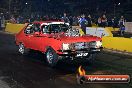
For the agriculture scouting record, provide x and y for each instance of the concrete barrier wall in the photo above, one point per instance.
(112, 29)
(14, 28)
(117, 43)
(98, 31)
(128, 26)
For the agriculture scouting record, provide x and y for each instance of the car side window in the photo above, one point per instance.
(55, 28)
(48, 29)
(29, 29)
(45, 29)
(36, 28)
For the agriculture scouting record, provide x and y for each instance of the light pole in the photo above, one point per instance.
(9, 7)
(115, 7)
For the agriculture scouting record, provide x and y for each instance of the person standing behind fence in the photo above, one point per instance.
(2, 22)
(71, 20)
(13, 20)
(89, 20)
(18, 20)
(75, 21)
(65, 18)
(83, 23)
(99, 21)
(122, 21)
(122, 25)
(103, 21)
(122, 30)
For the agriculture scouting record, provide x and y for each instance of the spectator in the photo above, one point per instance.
(18, 20)
(3, 22)
(31, 19)
(122, 30)
(89, 20)
(121, 21)
(115, 23)
(44, 18)
(103, 21)
(78, 17)
(121, 25)
(111, 23)
(83, 23)
(13, 20)
(99, 22)
(75, 21)
(65, 18)
(71, 20)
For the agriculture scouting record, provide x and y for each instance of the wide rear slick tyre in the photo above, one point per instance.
(51, 57)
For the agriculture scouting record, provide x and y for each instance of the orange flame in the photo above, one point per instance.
(81, 71)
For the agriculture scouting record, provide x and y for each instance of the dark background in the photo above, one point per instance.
(73, 7)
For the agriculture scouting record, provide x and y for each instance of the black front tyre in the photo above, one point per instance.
(22, 50)
(51, 57)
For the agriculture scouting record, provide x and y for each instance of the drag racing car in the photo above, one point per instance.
(57, 41)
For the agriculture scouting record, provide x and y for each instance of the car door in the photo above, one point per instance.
(28, 33)
(46, 32)
(36, 38)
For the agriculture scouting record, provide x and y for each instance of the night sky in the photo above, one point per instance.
(69, 6)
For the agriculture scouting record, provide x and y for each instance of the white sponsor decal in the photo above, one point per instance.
(82, 54)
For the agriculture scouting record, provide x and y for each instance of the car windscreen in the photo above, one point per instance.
(55, 28)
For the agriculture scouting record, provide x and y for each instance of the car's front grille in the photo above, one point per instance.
(84, 45)
(79, 45)
(92, 44)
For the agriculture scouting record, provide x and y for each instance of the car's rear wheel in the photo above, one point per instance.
(51, 57)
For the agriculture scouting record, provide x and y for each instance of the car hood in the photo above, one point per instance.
(70, 39)
(80, 39)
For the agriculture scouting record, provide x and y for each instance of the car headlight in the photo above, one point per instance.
(65, 46)
(98, 43)
(95, 44)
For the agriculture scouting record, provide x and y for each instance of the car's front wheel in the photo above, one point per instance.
(22, 50)
(51, 57)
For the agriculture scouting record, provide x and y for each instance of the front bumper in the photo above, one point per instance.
(79, 53)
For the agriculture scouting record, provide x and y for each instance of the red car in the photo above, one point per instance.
(57, 41)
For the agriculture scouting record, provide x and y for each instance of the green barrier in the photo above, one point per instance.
(14, 28)
(117, 43)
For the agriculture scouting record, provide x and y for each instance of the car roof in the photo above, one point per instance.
(48, 22)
